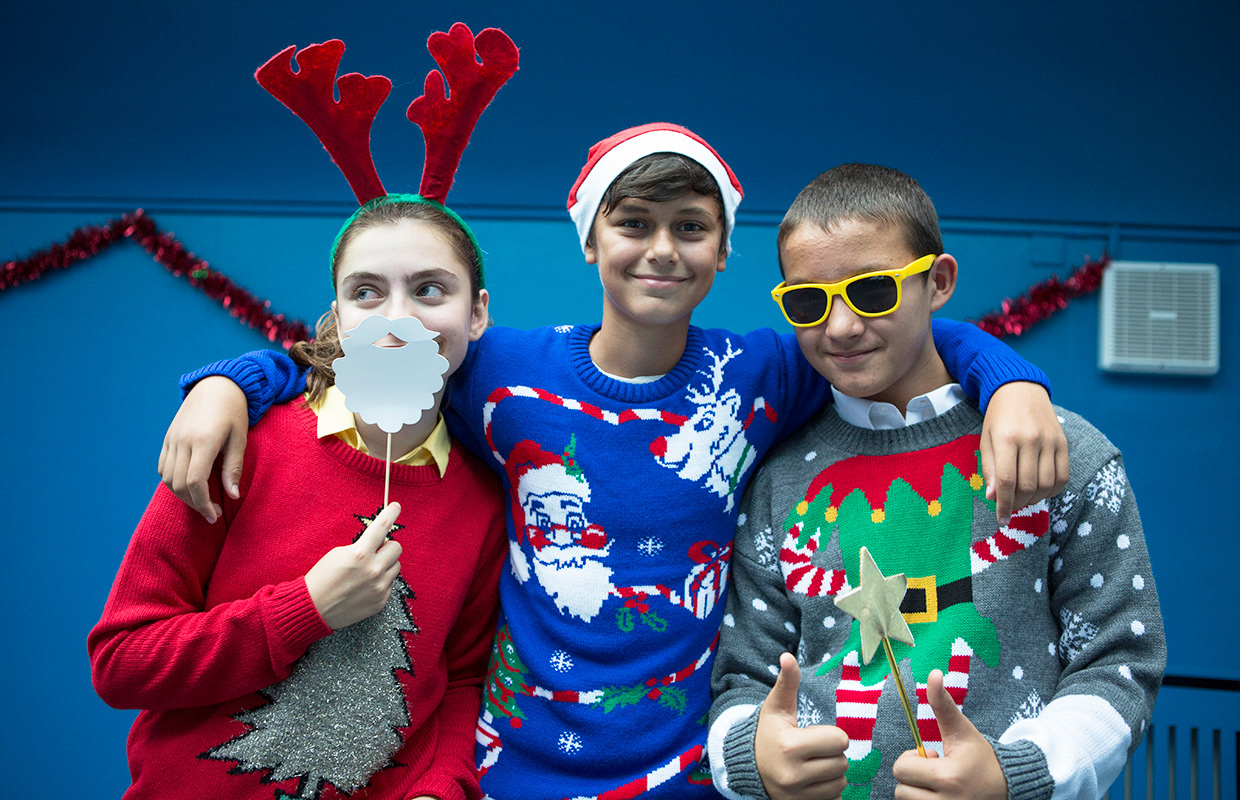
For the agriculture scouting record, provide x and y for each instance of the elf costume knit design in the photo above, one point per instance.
(622, 503)
(248, 693)
(1047, 630)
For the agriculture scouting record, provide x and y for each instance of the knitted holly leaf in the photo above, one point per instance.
(673, 697)
(614, 697)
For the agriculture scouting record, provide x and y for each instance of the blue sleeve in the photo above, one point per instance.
(460, 408)
(268, 378)
(980, 362)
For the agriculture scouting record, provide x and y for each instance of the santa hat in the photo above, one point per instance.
(532, 468)
(614, 155)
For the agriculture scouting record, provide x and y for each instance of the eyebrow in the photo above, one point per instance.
(635, 205)
(413, 277)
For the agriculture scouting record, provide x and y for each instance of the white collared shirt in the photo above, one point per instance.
(876, 416)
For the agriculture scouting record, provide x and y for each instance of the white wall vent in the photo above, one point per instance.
(1159, 318)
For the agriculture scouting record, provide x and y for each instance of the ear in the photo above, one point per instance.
(722, 261)
(943, 278)
(335, 313)
(480, 318)
(589, 250)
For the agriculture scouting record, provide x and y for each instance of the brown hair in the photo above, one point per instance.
(319, 353)
(867, 192)
(660, 177)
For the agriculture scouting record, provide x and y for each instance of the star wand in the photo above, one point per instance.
(875, 604)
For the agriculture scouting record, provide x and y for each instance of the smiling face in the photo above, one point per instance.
(657, 260)
(889, 358)
(407, 269)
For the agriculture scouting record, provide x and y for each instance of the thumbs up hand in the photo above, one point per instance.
(969, 767)
(797, 763)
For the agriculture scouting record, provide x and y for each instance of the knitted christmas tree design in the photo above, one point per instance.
(505, 680)
(336, 719)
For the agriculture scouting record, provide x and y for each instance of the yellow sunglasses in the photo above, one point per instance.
(873, 294)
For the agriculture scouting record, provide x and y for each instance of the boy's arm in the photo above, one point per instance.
(1113, 648)
(1024, 451)
(213, 419)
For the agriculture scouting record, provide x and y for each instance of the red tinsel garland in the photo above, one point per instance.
(166, 250)
(1042, 300)
(1017, 316)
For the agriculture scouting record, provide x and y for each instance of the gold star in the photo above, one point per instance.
(875, 604)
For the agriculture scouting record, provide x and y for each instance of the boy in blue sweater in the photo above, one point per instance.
(624, 448)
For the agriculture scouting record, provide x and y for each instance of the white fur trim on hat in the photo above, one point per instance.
(590, 191)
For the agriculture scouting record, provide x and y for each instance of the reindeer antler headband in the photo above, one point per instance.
(476, 67)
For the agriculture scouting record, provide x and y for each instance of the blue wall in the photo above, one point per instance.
(1044, 134)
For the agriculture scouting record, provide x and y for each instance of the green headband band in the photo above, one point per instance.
(417, 199)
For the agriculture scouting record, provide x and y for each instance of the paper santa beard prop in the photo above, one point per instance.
(389, 386)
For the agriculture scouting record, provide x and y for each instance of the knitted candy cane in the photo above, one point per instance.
(1026, 526)
(801, 576)
(610, 417)
(652, 779)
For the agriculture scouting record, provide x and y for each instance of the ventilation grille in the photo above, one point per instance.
(1159, 318)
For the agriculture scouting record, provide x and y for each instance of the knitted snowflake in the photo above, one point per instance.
(1076, 636)
(1060, 509)
(1029, 709)
(764, 546)
(807, 713)
(1106, 489)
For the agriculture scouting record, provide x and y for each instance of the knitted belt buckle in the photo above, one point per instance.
(921, 602)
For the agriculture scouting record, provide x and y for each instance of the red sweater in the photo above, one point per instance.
(247, 693)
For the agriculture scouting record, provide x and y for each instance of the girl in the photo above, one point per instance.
(295, 648)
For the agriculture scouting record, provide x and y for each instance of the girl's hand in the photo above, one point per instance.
(354, 581)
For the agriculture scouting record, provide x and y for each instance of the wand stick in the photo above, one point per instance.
(875, 604)
(387, 470)
(908, 709)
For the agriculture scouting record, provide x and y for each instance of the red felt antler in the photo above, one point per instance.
(343, 127)
(475, 67)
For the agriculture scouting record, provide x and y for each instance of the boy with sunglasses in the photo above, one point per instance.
(1038, 644)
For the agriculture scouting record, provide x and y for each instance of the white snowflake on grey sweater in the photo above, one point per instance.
(1029, 709)
(807, 712)
(1060, 509)
(1106, 490)
(764, 548)
(1076, 636)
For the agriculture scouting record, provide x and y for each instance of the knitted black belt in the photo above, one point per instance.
(924, 600)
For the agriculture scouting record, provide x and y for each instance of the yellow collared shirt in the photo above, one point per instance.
(336, 420)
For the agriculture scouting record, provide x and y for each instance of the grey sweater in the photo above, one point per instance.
(1049, 628)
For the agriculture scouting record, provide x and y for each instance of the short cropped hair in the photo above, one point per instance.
(660, 177)
(867, 192)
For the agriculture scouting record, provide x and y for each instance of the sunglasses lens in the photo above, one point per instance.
(874, 295)
(805, 306)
